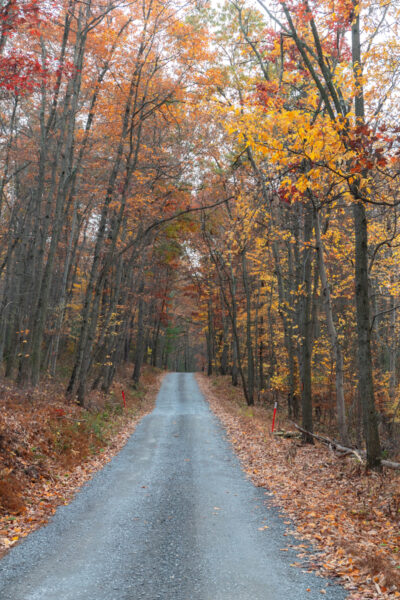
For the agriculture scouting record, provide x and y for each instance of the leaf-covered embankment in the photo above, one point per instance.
(49, 448)
(351, 517)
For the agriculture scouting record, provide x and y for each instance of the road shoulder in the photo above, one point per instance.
(333, 506)
(55, 480)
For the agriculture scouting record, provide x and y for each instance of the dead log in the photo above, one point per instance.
(356, 452)
(287, 434)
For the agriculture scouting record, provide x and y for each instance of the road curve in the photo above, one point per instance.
(171, 517)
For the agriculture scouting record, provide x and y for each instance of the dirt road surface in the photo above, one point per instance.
(172, 517)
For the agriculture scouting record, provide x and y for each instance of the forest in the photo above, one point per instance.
(200, 202)
(206, 187)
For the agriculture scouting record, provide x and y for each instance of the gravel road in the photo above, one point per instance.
(171, 516)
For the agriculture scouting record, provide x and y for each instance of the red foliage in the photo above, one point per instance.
(20, 73)
(287, 194)
(270, 37)
(15, 13)
(69, 70)
(268, 93)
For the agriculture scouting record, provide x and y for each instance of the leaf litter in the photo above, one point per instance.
(350, 518)
(49, 448)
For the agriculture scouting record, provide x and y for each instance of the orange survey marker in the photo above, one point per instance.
(274, 415)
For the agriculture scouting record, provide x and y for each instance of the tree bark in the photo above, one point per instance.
(365, 377)
(335, 344)
(305, 326)
(139, 337)
(249, 344)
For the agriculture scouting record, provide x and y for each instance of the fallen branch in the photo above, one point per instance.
(335, 446)
(287, 434)
(390, 464)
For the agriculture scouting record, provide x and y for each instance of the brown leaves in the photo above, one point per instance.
(10, 492)
(35, 473)
(348, 515)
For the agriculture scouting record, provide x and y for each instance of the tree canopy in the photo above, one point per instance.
(205, 188)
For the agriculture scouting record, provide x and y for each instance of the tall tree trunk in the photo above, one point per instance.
(365, 377)
(392, 350)
(284, 301)
(210, 336)
(249, 342)
(139, 337)
(234, 373)
(225, 344)
(305, 346)
(335, 344)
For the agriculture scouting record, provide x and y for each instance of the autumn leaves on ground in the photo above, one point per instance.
(347, 520)
(351, 517)
(48, 453)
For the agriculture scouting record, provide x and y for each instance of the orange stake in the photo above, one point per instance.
(274, 415)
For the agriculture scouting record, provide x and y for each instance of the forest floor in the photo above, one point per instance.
(350, 517)
(50, 447)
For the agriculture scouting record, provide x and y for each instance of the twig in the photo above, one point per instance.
(383, 312)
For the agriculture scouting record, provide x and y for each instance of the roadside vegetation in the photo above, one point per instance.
(346, 520)
(47, 453)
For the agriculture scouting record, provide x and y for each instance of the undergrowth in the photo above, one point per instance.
(44, 437)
